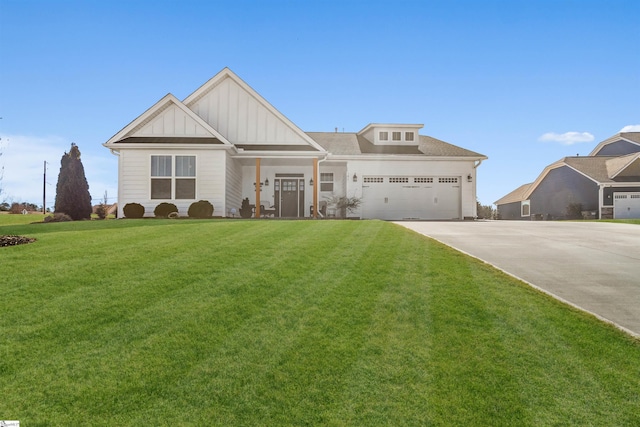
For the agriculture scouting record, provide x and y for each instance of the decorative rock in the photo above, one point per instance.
(15, 240)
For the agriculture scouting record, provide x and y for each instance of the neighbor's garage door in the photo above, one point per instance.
(401, 197)
(626, 205)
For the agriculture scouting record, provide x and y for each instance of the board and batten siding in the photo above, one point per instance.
(171, 121)
(233, 186)
(135, 179)
(242, 118)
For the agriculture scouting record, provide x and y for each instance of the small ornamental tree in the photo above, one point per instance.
(72, 190)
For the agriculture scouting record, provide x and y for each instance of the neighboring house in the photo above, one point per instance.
(606, 183)
(225, 143)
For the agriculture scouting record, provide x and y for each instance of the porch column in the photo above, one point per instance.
(316, 184)
(257, 215)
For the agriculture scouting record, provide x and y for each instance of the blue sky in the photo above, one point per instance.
(523, 82)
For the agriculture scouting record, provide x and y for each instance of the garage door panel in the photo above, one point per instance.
(411, 198)
(626, 205)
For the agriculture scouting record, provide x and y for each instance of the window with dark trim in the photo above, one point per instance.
(173, 183)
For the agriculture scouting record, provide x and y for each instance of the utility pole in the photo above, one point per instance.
(44, 190)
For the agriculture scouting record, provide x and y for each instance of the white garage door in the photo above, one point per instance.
(411, 197)
(626, 205)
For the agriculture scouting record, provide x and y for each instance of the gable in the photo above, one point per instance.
(624, 167)
(239, 113)
(166, 119)
(171, 121)
(618, 145)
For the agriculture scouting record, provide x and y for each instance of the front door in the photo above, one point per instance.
(289, 198)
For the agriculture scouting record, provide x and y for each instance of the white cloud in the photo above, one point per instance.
(23, 159)
(567, 138)
(631, 128)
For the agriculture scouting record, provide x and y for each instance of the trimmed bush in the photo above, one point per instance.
(58, 217)
(133, 210)
(164, 209)
(200, 209)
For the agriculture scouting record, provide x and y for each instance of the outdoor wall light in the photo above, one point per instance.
(469, 178)
(355, 177)
(311, 182)
(266, 182)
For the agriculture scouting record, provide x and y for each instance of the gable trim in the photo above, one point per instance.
(227, 73)
(633, 158)
(545, 172)
(157, 109)
(617, 137)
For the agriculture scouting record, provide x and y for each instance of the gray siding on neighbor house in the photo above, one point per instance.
(510, 211)
(620, 148)
(561, 187)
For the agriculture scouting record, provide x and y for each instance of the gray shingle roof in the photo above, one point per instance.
(516, 195)
(594, 167)
(631, 136)
(348, 143)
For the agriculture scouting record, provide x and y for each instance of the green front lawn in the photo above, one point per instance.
(233, 322)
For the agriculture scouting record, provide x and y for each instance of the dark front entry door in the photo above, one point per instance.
(289, 198)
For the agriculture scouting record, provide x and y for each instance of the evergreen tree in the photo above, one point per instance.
(72, 191)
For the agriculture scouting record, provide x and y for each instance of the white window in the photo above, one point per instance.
(396, 136)
(526, 208)
(165, 184)
(408, 136)
(326, 182)
(384, 136)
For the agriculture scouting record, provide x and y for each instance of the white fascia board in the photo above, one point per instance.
(271, 155)
(620, 184)
(410, 157)
(227, 73)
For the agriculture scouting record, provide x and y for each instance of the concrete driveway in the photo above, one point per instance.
(592, 265)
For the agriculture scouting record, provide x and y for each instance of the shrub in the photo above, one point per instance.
(164, 209)
(58, 217)
(101, 211)
(133, 210)
(200, 209)
(574, 211)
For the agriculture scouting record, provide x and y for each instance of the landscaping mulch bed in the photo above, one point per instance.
(15, 240)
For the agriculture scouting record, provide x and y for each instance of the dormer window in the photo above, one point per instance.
(392, 134)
